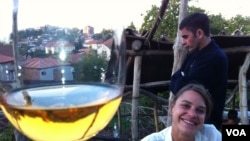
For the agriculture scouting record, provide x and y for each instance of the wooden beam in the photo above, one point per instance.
(237, 49)
(149, 52)
(160, 15)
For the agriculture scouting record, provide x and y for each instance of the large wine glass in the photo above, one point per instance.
(65, 69)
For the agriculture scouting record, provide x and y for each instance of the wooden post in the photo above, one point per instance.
(135, 96)
(243, 90)
(179, 51)
(119, 120)
(156, 117)
(19, 82)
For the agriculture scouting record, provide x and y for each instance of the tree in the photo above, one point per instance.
(179, 52)
(91, 67)
(79, 43)
(168, 26)
(104, 35)
(169, 21)
(218, 24)
(149, 19)
(239, 22)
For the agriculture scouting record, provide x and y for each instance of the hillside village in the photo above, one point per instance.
(38, 48)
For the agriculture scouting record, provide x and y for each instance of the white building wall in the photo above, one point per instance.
(7, 72)
(67, 72)
(48, 73)
(100, 48)
(105, 49)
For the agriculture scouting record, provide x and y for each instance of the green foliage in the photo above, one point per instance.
(149, 19)
(218, 24)
(192, 9)
(90, 67)
(39, 53)
(30, 32)
(169, 24)
(23, 49)
(104, 35)
(239, 22)
(234, 103)
(169, 21)
(148, 102)
(7, 134)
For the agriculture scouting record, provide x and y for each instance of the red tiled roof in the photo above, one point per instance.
(86, 51)
(40, 63)
(108, 42)
(94, 42)
(4, 58)
(76, 57)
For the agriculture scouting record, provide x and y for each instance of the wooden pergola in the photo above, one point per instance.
(150, 64)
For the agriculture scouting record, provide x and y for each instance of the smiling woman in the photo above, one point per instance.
(189, 109)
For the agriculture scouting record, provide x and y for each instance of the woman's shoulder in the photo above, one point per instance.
(210, 132)
(210, 128)
(163, 135)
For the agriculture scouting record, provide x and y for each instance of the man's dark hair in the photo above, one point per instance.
(232, 114)
(196, 21)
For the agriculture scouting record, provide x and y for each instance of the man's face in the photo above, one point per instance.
(189, 40)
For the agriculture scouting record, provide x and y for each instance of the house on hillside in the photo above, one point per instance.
(47, 69)
(6, 68)
(58, 46)
(101, 48)
(36, 69)
(6, 63)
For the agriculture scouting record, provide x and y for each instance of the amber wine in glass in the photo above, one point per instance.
(63, 112)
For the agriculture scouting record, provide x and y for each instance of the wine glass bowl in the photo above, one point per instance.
(62, 112)
(66, 82)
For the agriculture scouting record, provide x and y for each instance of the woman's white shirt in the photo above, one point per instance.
(207, 133)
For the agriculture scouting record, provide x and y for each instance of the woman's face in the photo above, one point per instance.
(188, 113)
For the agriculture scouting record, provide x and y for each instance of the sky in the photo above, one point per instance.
(227, 8)
(108, 13)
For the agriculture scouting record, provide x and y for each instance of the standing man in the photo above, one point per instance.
(205, 63)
